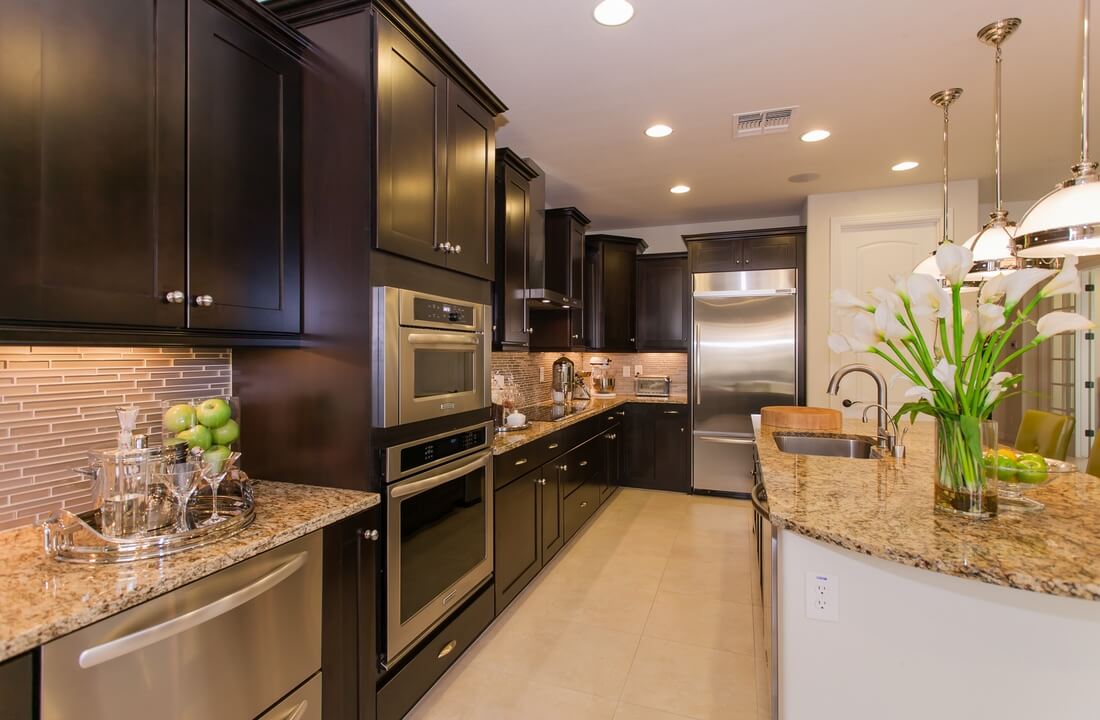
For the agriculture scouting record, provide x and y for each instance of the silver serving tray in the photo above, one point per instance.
(72, 537)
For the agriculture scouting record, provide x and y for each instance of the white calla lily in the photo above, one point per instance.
(888, 326)
(945, 373)
(928, 296)
(888, 299)
(1058, 322)
(1020, 282)
(839, 343)
(919, 392)
(954, 262)
(847, 301)
(993, 289)
(864, 334)
(1066, 282)
(990, 317)
(996, 386)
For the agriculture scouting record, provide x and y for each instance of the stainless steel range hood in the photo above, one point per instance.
(539, 297)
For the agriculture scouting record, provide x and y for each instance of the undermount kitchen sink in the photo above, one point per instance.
(847, 446)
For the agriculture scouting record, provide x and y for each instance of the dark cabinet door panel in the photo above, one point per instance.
(470, 170)
(664, 307)
(715, 255)
(244, 130)
(511, 310)
(618, 290)
(550, 499)
(670, 448)
(412, 147)
(91, 161)
(576, 261)
(770, 253)
(638, 446)
(518, 541)
(613, 439)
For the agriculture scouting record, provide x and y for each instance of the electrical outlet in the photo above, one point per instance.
(637, 370)
(626, 371)
(822, 597)
(542, 374)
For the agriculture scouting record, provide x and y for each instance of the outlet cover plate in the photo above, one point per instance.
(822, 597)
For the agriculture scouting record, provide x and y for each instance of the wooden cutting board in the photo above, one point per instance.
(792, 417)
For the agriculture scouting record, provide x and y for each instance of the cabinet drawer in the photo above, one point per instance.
(302, 704)
(426, 665)
(188, 654)
(525, 458)
(579, 507)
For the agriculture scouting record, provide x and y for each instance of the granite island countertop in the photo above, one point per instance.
(42, 599)
(505, 442)
(883, 508)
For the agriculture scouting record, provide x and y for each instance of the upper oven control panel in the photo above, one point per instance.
(417, 309)
(442, 311)
(419, 455)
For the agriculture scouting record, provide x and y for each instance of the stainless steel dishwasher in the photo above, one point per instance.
(226, 647)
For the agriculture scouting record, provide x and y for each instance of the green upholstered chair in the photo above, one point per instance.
(1093, 468)
(1045, 433)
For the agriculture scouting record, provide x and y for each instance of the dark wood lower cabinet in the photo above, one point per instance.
(657, 447)
(348, 631)
(18, 687)
(517, 535)
(613, 461)
(550, 510)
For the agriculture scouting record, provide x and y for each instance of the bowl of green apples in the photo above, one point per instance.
(212, 425)
(1019, 473)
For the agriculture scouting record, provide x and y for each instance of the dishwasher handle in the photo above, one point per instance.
(144, 638)
(759, 497)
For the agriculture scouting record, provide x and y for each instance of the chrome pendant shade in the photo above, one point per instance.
(942, 99)
(994, 246)
(1067, 220)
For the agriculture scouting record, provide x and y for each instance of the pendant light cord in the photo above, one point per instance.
(946, 238)
(997, 121)
(1085, 89)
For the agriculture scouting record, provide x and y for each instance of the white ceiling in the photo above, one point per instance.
(580, 95)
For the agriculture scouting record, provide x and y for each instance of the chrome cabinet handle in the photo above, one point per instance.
(298, 711)
(174, 297)
(540, 481)
(204, 300)
(447, 649)
(584, 504)
(610, 417)
(620, 412)
(563, 468)
(553, 446)
(672, 412)
(521, 461)
(584, 463)
(443, 247)
(144, 638)
(369, 534)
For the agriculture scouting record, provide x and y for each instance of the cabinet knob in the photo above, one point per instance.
(540, 481)
(204, 300)
(564, 468)
(443, 247)
(576, 337)
(369, 534)
(584, 504)
(174, 297)
(456, 249)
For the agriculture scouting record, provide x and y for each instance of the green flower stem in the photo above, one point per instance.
(942, 326)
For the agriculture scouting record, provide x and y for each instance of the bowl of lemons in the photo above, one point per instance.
(1019, 473)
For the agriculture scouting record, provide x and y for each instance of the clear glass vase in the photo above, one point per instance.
(966, 467)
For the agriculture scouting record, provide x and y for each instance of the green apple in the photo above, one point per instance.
(228, 433)
(197, 437)
(216, 456)
(1031, 469)
(213, 413)
(1006, 469)
(989, 462)
(178, 418)
(1032, 458)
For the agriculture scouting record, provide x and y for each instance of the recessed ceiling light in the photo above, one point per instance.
(815, 135)
(658, 131)
(679, 189)
(613, 12)
(903, 166)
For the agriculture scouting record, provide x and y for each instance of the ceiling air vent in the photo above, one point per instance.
(762, 122)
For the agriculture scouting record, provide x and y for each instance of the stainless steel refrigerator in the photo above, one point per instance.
(746, 354)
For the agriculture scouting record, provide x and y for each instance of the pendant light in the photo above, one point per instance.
(1067, 220)
(994, 246)
(942, 99)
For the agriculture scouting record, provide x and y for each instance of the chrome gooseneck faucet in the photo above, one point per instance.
(885, 438)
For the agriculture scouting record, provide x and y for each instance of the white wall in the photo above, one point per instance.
(914, 644)
(822, 210)
(667, 238)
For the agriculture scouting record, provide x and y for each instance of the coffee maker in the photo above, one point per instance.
(563, 378)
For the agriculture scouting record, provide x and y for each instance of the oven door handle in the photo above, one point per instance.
(458, 341)
(411, 488)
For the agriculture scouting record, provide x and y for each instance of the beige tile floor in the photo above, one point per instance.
(646, 615)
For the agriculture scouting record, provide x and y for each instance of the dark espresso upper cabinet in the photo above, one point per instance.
(663, 302)
(769, 249)
(513, 232)
(568, 271)
(611, 291)
(91, 161)
(428, 174)
(149, 170)
(244, 154)
(412, 148)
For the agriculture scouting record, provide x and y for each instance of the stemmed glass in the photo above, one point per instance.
(182, 479)
(214, 470)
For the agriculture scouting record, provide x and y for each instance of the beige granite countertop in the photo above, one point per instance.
(42, 598)
(505, 442)
(883, 508)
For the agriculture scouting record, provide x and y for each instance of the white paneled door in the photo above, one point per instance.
(867, 252)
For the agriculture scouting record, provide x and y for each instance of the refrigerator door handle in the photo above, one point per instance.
(727, 440)
(698, 380)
